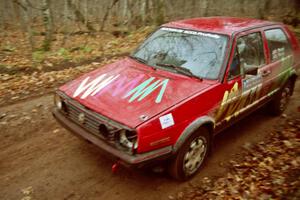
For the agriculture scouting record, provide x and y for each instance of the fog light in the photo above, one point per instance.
(128, 139)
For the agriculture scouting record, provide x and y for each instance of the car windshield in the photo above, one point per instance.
(199, 53)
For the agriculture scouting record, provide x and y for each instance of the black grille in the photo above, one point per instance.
(90, 122)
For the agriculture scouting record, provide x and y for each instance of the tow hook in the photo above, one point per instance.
(115, 167)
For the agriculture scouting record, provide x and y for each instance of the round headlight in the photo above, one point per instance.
(58, 101)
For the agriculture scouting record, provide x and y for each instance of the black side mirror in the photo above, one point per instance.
(251, 70)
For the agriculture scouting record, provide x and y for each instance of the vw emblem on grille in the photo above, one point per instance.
(81, 118)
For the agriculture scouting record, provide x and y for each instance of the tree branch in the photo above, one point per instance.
(20, 4)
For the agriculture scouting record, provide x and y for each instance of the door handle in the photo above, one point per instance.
(266, 73)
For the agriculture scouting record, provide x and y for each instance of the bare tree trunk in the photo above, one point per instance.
(159, 14)
(116, 13)
(207, 7)
(2, 19)
(18, 13)
(194, 8)
(86, 12)
(26, 22)
(66, 22)
(125, 9)
(48, 24)
(80, 17)
(143, 11)
(263, 11)
(107, 13)
(147, 11)
(130, 13)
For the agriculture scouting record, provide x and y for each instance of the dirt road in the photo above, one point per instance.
(41, 160)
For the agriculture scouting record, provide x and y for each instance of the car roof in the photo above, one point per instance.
(222, 25)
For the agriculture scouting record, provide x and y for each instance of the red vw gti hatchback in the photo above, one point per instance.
(185, 83)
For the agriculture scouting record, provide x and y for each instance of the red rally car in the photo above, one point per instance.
(185, 83)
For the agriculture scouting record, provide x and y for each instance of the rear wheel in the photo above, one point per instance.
(280, 102)
(191, 155)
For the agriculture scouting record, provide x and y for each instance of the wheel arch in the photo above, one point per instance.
(293, 78)
(204, 121)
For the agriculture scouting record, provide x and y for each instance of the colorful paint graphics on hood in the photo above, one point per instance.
(133, 89)
(126, 92)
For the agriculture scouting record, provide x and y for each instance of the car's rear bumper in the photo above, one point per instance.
(133, 160)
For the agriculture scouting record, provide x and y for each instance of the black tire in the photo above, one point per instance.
(280, 101)
(178, 166)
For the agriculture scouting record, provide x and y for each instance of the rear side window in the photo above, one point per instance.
(278, 44)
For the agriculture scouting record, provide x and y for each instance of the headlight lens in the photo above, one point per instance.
(58, 101)
(128, 139)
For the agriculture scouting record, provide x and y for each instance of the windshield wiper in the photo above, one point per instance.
(141, 60)
(179, 69)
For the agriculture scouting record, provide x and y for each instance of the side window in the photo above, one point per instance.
(278, 44)
(251, 50)
(235, 69)
(249, 53)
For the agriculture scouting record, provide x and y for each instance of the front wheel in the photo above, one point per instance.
(191, 155)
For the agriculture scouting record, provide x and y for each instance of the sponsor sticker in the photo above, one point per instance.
(251, 82)
(166, 121)
(191, 32)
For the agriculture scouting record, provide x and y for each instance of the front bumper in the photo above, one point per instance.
(126, 159)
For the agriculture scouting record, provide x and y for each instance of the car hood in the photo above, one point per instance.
(130, 92)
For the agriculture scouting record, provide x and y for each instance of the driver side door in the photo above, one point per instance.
(244, 80)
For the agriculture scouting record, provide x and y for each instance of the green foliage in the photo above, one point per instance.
(86, 49)
(36, 33)
(63, 53)
(38, 56)
(83, 51)
(9, 48)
